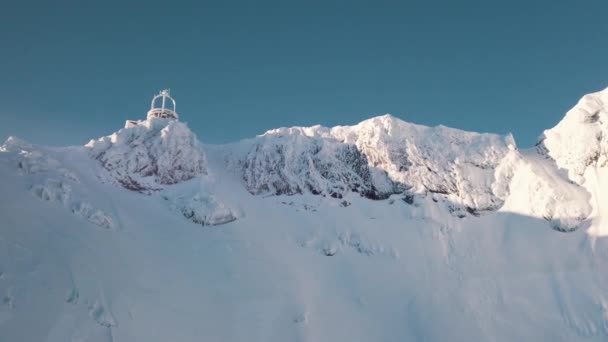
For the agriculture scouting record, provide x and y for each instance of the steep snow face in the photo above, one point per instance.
(153, 153)
(532, 185)
(294, 163)
(435, 159)
(579, 144)
(580, 140)
(399, 156)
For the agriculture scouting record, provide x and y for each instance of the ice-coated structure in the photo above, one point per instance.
(159, 108)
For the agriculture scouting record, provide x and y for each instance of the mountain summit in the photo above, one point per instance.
(153, 153)
(390, 228)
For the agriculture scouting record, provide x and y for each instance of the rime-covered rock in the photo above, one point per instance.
(378, 157)
(580, 139)
(295, 163)
(579, 145)
(154, 153)
(201, 208)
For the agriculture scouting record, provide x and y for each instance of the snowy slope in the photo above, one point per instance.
(381, 231)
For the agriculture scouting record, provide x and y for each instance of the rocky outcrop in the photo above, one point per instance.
(580, 139)
(147, 156)
(376, 158)
(295, 163)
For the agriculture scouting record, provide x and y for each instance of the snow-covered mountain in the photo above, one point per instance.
(391, 155)
(381, 231)
(155, 152)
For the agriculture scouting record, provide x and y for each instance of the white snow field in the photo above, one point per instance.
(382, 231)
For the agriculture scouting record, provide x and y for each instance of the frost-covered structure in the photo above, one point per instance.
(149, 153)
(163, 106)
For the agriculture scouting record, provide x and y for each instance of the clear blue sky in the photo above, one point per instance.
(75, 70)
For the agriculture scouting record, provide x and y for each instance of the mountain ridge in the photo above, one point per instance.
(376, 158)
(398, 231)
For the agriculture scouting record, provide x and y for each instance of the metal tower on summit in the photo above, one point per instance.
(163, 111)
(162, 107)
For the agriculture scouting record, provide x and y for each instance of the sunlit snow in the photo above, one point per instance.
(381, 231)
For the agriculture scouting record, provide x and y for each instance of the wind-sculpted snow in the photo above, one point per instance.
(580, 139)
(532, 185)
(295, 163)
(579, 144)
(379, 157)
(154, 153)
(435, 159)
(199, 205)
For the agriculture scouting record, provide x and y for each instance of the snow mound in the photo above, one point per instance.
(203, 209)
(151, 154)
(53, 190)
(91, 214)
(196, 201)
(331, 243)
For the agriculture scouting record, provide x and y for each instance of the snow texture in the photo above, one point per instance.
(199, 205)
(377, 158)
(533, 186)
(151, 154)
(295, 163)
(579, 144)
(398, 232)
(580, 140)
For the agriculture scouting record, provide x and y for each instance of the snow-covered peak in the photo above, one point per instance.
(579, 144)
(150, 153)
(580, 140)
(386, 122)
(313, 131)
(13, 143)
(399, 155)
